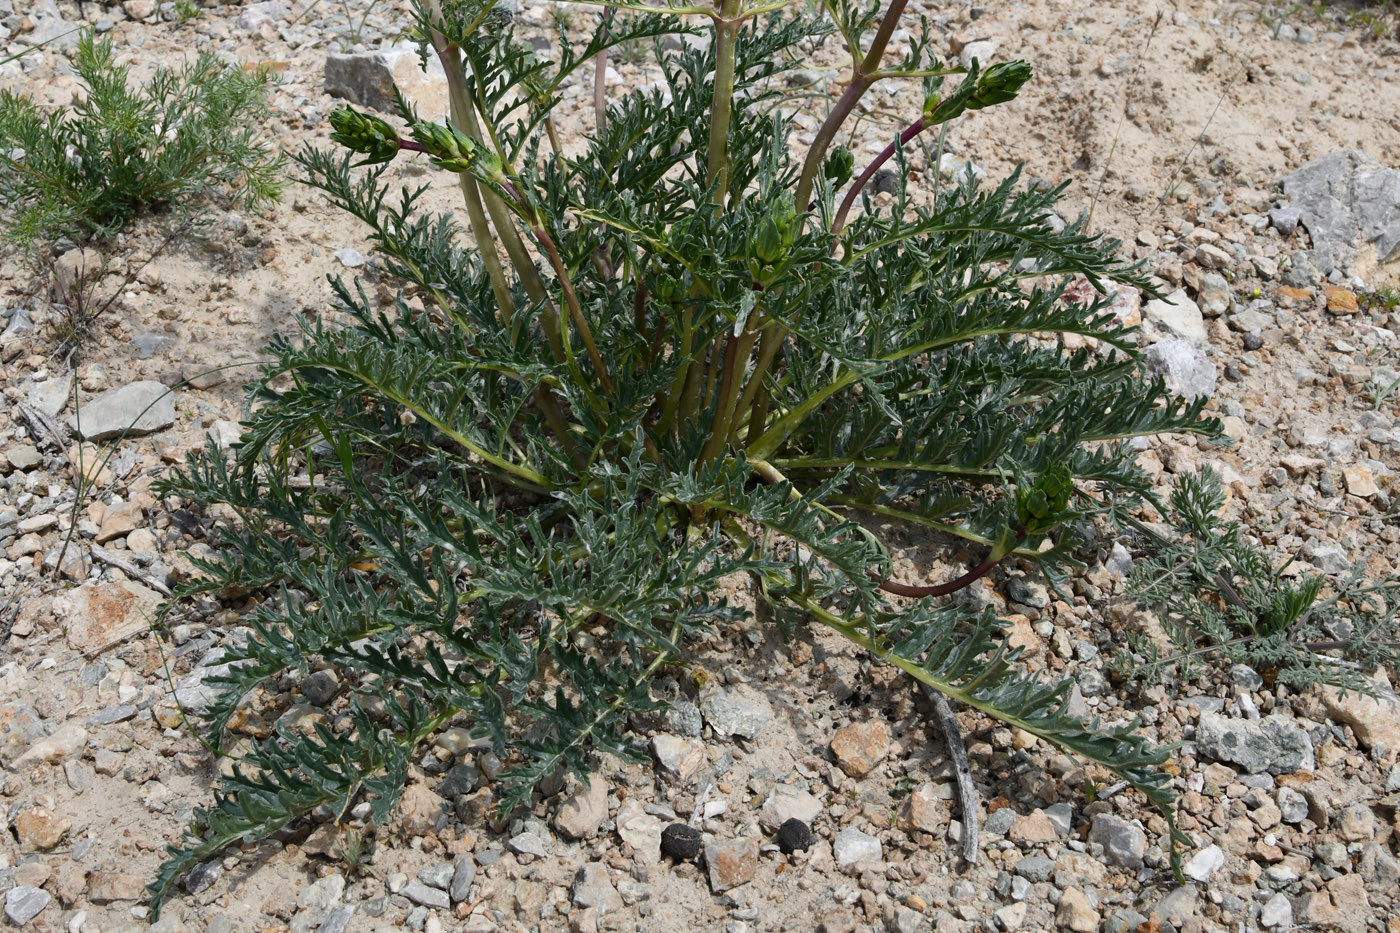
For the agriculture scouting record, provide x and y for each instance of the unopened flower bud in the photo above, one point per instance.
(838, 166)
(999, 84)
(362, 133)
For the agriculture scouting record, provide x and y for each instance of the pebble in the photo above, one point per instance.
(1274, 744)
(135, 409)
(1124, 844)
(785, 802)
(1075, 914)
(731, 862)
(24, 903)
(851, 847)
(1276, 912)
(681, 841)
(583, 813)
(593, 888)
(463, 877)
(1184, 366)
(1205, 863)
(741, 711)
(860, 746)
(1035, 868)
(680, 758)
(1178, 316)
(420, 893)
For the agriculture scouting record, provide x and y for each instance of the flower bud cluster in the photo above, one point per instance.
(770, 245)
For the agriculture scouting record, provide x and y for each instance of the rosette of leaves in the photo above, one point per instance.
(505, 499)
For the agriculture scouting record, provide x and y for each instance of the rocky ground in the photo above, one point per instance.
(1216, 140)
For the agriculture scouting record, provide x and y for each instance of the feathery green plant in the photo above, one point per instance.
(1220, 598)
(88, 169)
(507, 500)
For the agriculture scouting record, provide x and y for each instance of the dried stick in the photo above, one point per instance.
(968, 803)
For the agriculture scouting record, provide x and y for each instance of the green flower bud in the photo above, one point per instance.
(367, 135)
(776, 234)
(448, 147)
(1042, 504)
(669, 289)
(999, 84)
(838, 166)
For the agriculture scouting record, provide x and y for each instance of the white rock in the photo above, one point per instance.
(1205, 863)
(1178, 315)
(852, 846)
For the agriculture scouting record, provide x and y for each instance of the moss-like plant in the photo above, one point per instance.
(506, 500)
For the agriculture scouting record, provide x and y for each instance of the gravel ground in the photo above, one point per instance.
(1202, 138)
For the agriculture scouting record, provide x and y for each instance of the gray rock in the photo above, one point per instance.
(460, 779)
(420, 893)
(1091, 683)
(1350, 204)
(1214, 297)
(1285, 219)
(583, 813)
(145, 346)
(437, 876)
(852, 846)
(138, 408)
(683, 718)
(1125, 921)
(1062, 815)
(369, 79)
(1245, 676)
(1124, 845)
(337, 919)
(23, 904)
(1036, 868)
(463, 877)
(23, 456)
(202, 876)
(1028, 592)
(1184, 367)
(321, 687)
(1276, 912)
(742, 711)
(1301, 272)
(999, 823)
(51, 395)
(112, 714)
(785, 803)
(50, 26)
(1177, 315)
(527, 844)
(1329, 558)
(1275, 744)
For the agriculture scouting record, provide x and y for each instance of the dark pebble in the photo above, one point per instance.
(1253, 341)
(680, 841)
(794, 835)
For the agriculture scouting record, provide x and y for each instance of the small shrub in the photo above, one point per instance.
(505, 502)
(177, 140)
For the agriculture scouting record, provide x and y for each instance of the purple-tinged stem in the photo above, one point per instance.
(952, 586)
(914, 129)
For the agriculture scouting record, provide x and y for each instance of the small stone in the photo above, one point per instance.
(70, 739)
(731, 862)
(1212, 257)
(1340, 300)
(1285, 219)
(1374, 719)
(851, 846)
(460, 779)
(97, 614)
(371, 78)
(23, 456)
(420, 893)
(1123, 843)
(1293, 806)
(463, 877)
(337, 919)
(1184, 366)
(859, 747)
(1036, 868)
(527, 844)
(794, 835)
(136, 409)
(104, 887)
(1360, 482)
(1358, 823)
(742, 711)
(1276, 912)
(593, 888)
(350, 258)
(640, 830)
(1178, 316)
(680, 758)
(1276, 745)
(1075, 914)
(202, 876)
(921, 811)
(581, 815)
(1011, 916)
(24, 903)
(1033, 829)
(39, 828)
(321, 687)
(785, 802)
(681, 842)
(1205, 863)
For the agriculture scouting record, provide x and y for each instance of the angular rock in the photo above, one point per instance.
(860, 746)
(24, 903)
(527, 844)
(593, 888)
(1124, 845)
(463, 877)
(922, 811)
(731, 862)
(1374, 719)
(742, 711)
(1178, 316)
(1275, 744)
(1276, 912)
(70, 739)
(369, 79)
(97, 614)
(1033, 829)
(1184, 366)
(39, 828)
(640, 830)
(104, 887)
(583, 813)
(851, 846)
(1075, 914)
(679, 758)
(1350, 204)
(420, 893)
(1205, 863)
(784, 803)
(135, 409)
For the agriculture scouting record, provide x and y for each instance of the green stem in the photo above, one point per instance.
(726, 34)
